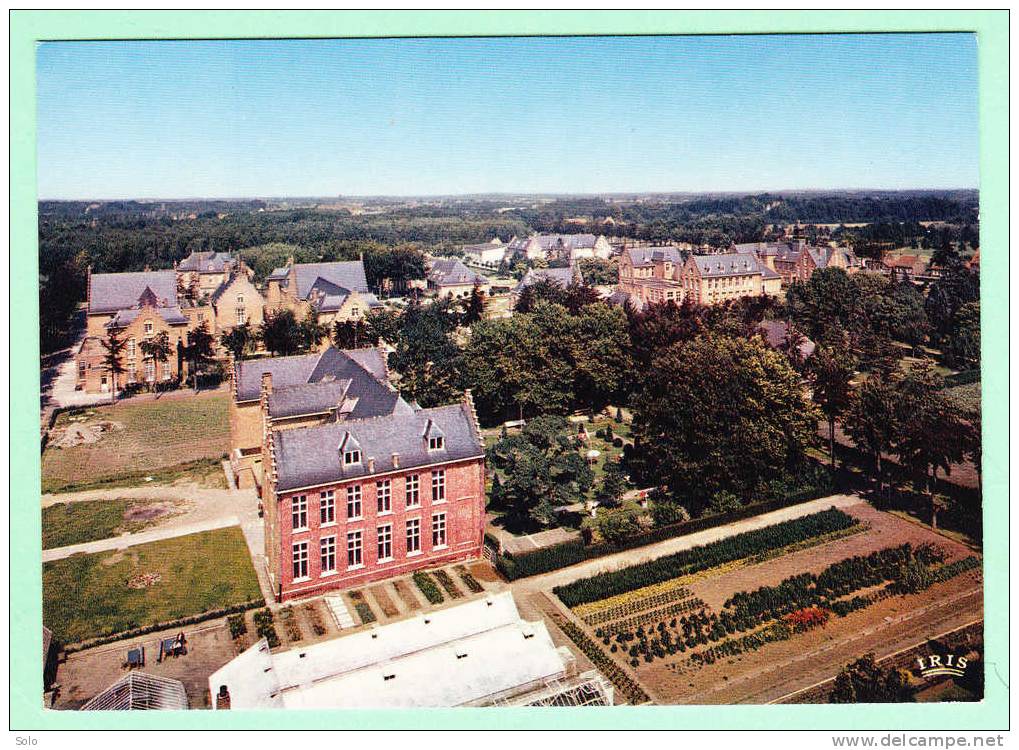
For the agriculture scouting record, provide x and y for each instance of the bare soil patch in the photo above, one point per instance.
(406, 594)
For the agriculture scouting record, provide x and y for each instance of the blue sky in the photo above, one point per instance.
(449, 116)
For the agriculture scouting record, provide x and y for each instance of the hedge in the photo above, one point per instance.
(553, 557)
(702, 557)
(212, 614)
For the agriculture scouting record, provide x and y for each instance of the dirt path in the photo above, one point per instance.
(143, 537)
(677, 544)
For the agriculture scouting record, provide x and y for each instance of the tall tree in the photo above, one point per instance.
(311, 331)
(474, 307)
(156, 348)
(864, 681)
(280, 332)
(237, 340)
(199, 351)
(961, 343)
(872, 421)
(113, 346)
(830, 372)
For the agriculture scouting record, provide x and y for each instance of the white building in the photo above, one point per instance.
(487, 253)
(476, 654)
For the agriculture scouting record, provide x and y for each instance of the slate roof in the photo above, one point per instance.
(307, 398)
(775, 331)
(648, 256)
(346, 275)
(785, 251)
(109, 292)
(364, 367)
(172, 315)
(310, 456)
(206, 262)
(562, 276)
(451, 272)
(727, 264)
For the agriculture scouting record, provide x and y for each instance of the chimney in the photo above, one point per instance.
(371, 465)
(290, 260)
(267, 383)
(396, 460)
(223, 699)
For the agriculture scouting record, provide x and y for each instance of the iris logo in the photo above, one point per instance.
(947, 664)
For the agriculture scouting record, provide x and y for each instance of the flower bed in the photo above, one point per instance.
(364, 612)
(290, 624)
(315, 618)
(658, 615)
(264, 627)
(448, 584)
(470, 581)
(637, 605)
(237, 625)
(630, 689)
(427, 586)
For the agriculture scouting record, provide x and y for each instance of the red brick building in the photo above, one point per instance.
(359, 500)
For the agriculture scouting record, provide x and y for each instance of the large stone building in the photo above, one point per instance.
(651, 275)
(338, 292)
(479, 653)
(138, 307)
(710, 279)
(237, 301)
(795, 260)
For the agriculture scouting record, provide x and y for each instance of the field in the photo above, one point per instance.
(87, 596)
(753, 628)
(169, 439)
(65, 524)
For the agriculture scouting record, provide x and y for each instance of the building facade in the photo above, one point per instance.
(204, 272)
(448, 277)
(651, 275)
(337, 292)
(711, 279)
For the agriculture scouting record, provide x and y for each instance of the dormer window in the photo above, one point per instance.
(434, 437)
(351, 457)
(350, 449)
(148, 327)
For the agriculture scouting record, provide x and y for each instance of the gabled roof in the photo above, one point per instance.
(172, 315)
(109, 292)
(648, 256)
(206, 262)
(346, 275)
(451, 272)
(727, 264)
(309, 456)
(307, 398)
(562, 276)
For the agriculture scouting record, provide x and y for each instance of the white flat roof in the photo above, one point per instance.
(449, 657)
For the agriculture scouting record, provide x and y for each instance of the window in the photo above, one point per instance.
(353, 502)
(354, 544)
(355, 312)
(383, 491)
(439, 530)
(439, 486)
(351, 457)
(413, 494)
(435, 443)
(299, 512)
(131, 348)
(300, 560)
(240, 299)
(327, 508)
(327, 549)
(150, 370)
(148, 327)
(413, 535)
(386, 542)
(242, 316)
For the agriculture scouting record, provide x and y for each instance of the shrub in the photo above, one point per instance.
(470, 581)
(617, 442)
(237, 625)
(364, 612)
(427, 587)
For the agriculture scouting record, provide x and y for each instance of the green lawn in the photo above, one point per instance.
(64, 524)
(164, 439)
(87, 596)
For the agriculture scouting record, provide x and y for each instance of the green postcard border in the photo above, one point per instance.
(29, 27)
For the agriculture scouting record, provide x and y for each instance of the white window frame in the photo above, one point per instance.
(299, 513)
(384, 496)
(384, 539)
(150, 371)
(327, 508)
(299, 560)
(438, 486)
(412, 490)
(439, 537)
(413, 536)
(327, 555)
(354, 503)
(436, 443)
(351, 457)
(355, 550)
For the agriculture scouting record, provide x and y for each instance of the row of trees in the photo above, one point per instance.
(198, 353)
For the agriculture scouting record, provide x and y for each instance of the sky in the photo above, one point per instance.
(275, 118)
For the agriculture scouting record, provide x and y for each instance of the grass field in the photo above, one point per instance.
(168, 439)
(86, 596)
(64, 524)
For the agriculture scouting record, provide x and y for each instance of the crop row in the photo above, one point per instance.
(638, 605)
(702, 557)
(630, 689)
(649, 618)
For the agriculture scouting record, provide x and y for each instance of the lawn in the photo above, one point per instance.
(87, 596)
(164, 439)
(64, 524)
(966, 397)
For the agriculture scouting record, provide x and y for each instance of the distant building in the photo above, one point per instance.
(448, 277)
(569, 247)
(236, 302)
(337, 292)
(487, 253)
(205, 271)
(904, 266)
(651, 275)
(795, 260)
(350, 500)
(480, 653)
